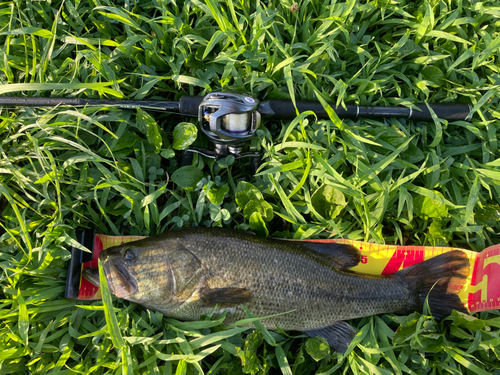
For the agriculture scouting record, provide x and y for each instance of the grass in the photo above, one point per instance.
(387, 181)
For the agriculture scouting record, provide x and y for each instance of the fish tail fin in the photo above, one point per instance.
(439, 280)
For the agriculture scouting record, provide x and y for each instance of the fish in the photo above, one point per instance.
(189, 272)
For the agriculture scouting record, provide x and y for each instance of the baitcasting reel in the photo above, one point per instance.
(229, 120)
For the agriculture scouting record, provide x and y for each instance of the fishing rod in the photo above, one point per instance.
(231, 119)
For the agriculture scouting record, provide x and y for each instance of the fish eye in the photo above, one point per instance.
(129, 255)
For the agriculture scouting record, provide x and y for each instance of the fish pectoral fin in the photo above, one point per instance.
(225, 297)
(341, 256)
(339, 335)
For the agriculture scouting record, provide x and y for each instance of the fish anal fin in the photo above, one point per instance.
(225, 297)
(341, 256)
(339, 335)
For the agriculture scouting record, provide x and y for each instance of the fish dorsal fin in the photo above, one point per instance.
(339, 335)
(341, 256)
(225, 297)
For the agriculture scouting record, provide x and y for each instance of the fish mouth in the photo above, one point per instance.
(119, 283)
(119, 280)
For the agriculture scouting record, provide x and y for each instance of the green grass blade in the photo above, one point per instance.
(100, 87)
(111, 321)
(282, 361)
(23, 322)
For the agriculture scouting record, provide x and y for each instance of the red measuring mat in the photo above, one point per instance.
(485, 293)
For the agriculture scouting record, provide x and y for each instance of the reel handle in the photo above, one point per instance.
(285, 110)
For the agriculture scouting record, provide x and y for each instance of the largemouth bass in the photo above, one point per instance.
(187, 273)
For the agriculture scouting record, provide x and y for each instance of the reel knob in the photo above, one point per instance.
(229, 118)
